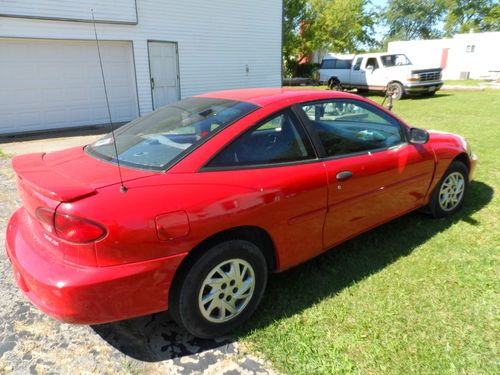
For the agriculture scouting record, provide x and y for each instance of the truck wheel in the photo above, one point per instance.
(396, 89)
(334, 84)
(220, 290)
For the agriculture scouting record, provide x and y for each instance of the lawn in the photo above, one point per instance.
(417, 295)
(466, 82)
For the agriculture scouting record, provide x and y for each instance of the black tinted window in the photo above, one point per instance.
(277, 140)
(343, 64)
(357, 65)
(328, 64)
(347, 126)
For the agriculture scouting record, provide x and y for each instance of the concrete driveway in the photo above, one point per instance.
(31, 342)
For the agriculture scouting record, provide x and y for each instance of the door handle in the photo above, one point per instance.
(344, 175)
(152, 83)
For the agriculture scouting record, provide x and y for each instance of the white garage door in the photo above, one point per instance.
(47, 84)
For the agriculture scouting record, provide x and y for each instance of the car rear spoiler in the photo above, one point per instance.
(33, 171)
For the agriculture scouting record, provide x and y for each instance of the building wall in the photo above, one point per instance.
(480, 61)
(222, 44)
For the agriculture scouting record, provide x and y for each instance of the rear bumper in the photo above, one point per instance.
(87, 295)
(418, 88)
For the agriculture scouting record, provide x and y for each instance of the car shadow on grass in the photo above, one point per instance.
(157, 337)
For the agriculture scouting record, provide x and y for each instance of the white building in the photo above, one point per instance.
(473, 55)
(154, 52)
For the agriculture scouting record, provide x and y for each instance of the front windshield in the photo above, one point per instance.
(153, 141)
(395, 60)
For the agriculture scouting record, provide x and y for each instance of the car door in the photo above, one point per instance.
(358, 75)
(374, 73)
(286, 182)
(374, 175)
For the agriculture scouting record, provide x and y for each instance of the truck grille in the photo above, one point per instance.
(429, 76)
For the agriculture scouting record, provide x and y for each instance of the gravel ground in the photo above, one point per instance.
(32, 343)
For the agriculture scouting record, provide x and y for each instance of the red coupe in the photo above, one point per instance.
(213, 193)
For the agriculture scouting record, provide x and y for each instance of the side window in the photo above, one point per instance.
(328, 64)
(357, 65)
(343, 64)
(372, 61)
(349, 126)
(279, 139)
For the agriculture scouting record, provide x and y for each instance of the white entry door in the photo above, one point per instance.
(164, 73)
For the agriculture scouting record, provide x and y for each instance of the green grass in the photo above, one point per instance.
(417, 295)
(466, 82)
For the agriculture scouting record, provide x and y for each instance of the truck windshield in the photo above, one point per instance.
(395, 60)
(166, 134)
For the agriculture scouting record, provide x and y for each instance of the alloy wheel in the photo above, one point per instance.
(227, 290)
(451, 191)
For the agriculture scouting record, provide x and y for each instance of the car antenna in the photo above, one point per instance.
(123, 189)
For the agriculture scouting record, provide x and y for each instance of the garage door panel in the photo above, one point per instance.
(50, 84)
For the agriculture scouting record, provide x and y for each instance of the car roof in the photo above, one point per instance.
(265, 96)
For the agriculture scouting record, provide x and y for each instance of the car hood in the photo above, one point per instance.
(70, 174)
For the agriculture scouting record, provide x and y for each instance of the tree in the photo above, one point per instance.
(472, 15)
(415, 19)
(308, 25)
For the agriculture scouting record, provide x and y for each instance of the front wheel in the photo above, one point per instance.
(220, 290)
(449, 194)
(396, 90)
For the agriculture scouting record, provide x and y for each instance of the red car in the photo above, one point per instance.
(218, 190)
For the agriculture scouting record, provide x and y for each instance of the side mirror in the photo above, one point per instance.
(418, 136)
(370, 68)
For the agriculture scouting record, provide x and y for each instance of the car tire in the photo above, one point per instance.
(209, 304)
(448, 196)
(396, 89)
(334, 84)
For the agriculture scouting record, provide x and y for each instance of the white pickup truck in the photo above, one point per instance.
(379, 72)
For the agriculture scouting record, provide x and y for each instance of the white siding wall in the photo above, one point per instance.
(217, 40)
(115, 11)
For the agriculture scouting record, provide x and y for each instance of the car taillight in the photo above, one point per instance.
(70, 228)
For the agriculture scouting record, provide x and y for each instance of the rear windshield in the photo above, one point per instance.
(169, 133)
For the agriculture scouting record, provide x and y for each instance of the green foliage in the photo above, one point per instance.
(472, 15)
(416, 19)
(308, 25)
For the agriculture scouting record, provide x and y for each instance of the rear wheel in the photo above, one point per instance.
(449, 194)
(396, 90)
(220, 290)
(334, 84)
